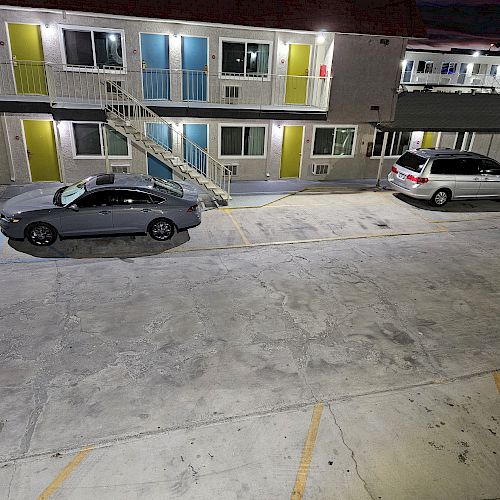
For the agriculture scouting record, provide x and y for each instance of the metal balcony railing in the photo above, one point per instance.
(63, 84)
(477, 81)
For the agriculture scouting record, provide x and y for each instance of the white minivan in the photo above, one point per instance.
(440, 175)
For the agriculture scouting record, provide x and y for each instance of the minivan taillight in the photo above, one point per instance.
(418, 180)
(394, 169)
(192, 208)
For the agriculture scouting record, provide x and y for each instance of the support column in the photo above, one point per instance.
(382, 157)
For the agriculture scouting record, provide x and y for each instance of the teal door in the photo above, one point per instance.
(196, 135)
(194, 68)
(155, 66)
(161, 133)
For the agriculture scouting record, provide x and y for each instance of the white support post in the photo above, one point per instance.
(105, 145)
(381, 161)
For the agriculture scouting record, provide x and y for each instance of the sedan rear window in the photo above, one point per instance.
(169, 187)
(412, 162)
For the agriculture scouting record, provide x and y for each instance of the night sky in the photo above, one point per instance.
(462, 23)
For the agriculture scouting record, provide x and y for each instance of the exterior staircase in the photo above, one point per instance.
(130, 117)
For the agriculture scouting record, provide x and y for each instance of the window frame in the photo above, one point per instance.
(244, 76)
(426, 62)
(354, 141)
(91, 29)
(102, 156)
(376, 157)
(467, 134)
(242, 156)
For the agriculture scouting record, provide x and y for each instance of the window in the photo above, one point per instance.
(97, 199)
(95, 48)
(168, 186)
(455, 166)
(478, 69)
(125, 197)
(245, 58)
(397, 143)
(242, 141)
(494, 70)
(464, 140)
(425, 66)
(448, 68)
(412, 161)
(334, 141)
(88, 141)
(490, 167)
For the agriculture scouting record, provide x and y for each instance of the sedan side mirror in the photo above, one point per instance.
(74, 207)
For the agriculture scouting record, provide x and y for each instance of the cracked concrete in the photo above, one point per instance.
(137, 355)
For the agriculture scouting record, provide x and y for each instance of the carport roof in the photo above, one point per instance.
(445, 112)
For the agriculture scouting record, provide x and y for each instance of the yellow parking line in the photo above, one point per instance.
(307, 454)
(238, 227)
(496, 376)
(56, 483)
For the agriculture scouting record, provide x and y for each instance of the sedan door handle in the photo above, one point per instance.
(146, 210)
(105, 212)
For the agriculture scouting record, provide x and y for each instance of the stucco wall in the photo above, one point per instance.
(366, 73)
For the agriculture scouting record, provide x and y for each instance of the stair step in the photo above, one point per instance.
(211, 185)
(202, 180)
(183, 168)
(194, 174)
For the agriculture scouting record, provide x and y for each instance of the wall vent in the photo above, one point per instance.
(231, 94)
(320, 168)
(233, 168)
(119, 169)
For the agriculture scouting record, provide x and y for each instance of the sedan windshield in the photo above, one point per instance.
(71, 193)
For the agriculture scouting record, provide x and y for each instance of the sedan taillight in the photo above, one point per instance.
(394, 169)
(192, 208)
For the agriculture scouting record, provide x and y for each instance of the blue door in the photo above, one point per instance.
(155, 66)
(161, 133)
(157, 168)
(196, 134)
(194, 68)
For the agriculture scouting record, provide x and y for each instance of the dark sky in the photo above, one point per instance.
(461, 23)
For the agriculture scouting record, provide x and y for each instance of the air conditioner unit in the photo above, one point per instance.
(231, 94)
(320, 168)
(233, 168)
(119, 169)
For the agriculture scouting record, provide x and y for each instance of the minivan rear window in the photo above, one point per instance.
(411, 161)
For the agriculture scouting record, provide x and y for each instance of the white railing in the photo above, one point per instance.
(454, 79)
(80, 84)
(124, 106)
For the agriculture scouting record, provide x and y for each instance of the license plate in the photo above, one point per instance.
(401, 176)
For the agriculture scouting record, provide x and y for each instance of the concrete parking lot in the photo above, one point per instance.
(339, 343)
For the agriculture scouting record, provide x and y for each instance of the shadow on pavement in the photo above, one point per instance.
(454, 206)
(107, 247)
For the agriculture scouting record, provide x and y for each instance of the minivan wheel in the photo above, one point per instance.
(440, 198)
(41, 234)
(161, 229)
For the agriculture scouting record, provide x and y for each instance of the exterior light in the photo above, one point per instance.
(112, 37)
(320, 39)
(476, 54)
(403, 63)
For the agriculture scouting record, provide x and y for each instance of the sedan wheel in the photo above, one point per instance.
(161, 229)
(41, 234)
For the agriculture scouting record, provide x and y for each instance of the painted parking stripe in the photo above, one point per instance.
(58, 481)
(238, 227)
(496, 376)
(307, 453)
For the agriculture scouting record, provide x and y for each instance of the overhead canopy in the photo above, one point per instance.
(375, 17)
(445, 112)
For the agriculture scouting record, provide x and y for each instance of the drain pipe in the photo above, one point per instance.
(381, 160)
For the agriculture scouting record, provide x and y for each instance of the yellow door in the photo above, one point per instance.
(27, 53)
(298, 70)
(428, 140)
(291, 151)
(41, 150)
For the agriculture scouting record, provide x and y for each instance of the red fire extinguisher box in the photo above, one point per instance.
(322, 70)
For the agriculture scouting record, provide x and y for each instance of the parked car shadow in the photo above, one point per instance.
(471, 205)
(102, 247)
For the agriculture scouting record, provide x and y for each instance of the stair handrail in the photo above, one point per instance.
(215, 171)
